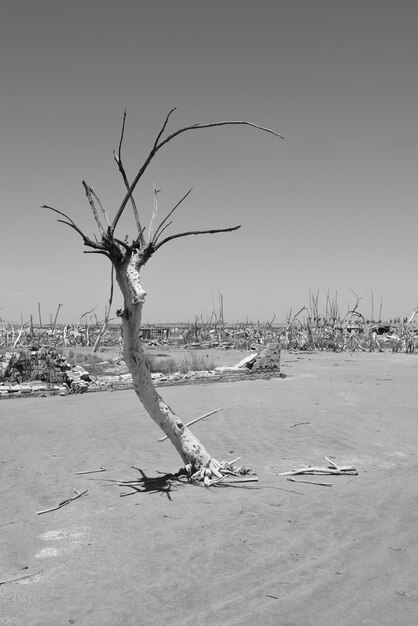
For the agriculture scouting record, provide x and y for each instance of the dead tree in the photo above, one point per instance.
(127, 260)
(103, 329)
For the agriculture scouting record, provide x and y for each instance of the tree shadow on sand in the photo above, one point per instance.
(166, 483)
(162, 484)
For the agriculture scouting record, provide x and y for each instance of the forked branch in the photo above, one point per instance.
(164, 126)
(163, 224)
(159, 143)
(118, 250)
(87, 241)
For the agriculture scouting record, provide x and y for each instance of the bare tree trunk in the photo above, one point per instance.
(193, 453)
(16, 343)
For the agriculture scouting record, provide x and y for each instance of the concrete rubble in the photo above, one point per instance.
(40, 371)
(44, 371)
(267, 360)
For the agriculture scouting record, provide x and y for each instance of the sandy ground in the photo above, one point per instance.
(272, 552)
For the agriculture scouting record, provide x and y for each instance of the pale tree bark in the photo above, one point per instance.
(127, 260)
(192, 452)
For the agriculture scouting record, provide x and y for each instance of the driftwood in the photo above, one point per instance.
(332, 468)
(78, 494)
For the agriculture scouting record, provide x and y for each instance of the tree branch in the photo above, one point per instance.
(97, 252)
(154, 213)
(103, 210)
(140, 239)
(163, 127)
(124, 245)
(93, 207)
(159, 144)
(71, 224)
(118, 159)
(156, 237)
(87, 313)
(160, 228)
(196, 232)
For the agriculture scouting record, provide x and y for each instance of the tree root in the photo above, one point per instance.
(210, 474)
(214, 472)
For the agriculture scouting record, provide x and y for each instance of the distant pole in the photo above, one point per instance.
(56, 315)
(221, 308)
(39, 313)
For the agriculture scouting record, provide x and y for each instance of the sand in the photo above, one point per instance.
(272, 552)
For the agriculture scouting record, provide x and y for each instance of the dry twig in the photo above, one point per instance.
(102, 469)
(78, 494)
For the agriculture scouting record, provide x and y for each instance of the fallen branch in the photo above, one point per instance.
(349, 470)
(332, 468)
(102, 469)
(308, 482)
(198, 419)
(298, 424)
(78, 494)
(234, 478)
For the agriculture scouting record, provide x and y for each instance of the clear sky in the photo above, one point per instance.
(332, 207)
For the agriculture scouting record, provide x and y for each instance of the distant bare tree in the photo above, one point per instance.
(127, 260)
